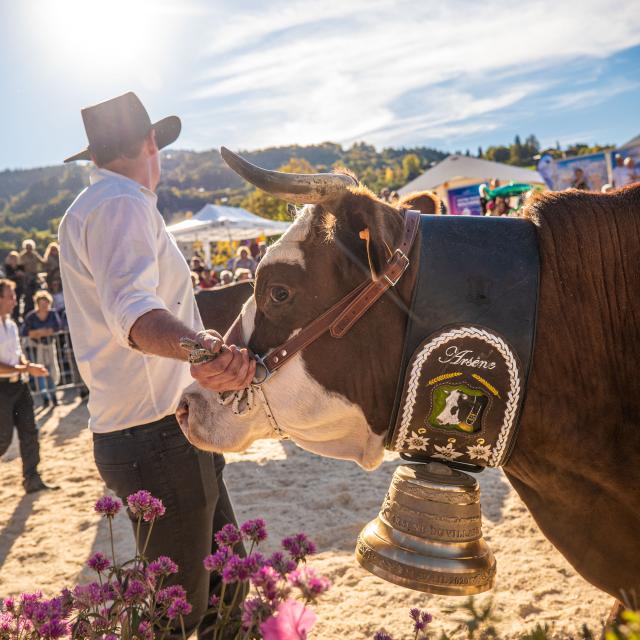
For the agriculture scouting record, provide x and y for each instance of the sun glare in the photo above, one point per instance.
(111, 38)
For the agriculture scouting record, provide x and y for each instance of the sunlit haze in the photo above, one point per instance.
(453, 75)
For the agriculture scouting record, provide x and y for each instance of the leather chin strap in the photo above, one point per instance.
(339, 319)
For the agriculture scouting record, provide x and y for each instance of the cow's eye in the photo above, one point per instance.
(279, 294)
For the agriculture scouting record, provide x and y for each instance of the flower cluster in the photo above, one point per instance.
(421, 619)
(139, 601)
(272, 610)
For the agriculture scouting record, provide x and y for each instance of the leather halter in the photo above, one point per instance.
(350, 308)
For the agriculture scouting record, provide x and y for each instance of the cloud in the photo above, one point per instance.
(396, 72)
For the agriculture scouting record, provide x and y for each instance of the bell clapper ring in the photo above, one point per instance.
(262, 372)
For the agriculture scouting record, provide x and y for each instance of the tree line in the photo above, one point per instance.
(32, 201)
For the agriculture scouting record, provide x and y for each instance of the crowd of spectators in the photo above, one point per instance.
(40, 311)
(227, 270)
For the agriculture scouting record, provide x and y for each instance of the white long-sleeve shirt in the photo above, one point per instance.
(10, 349)
(118, 262)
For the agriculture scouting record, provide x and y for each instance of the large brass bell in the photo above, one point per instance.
(428, 534)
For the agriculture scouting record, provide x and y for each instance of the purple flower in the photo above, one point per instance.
(255, 611)
(54, 628)
(234, 570)
(9, 604)
(266, 579)
(162, 566)
(299, 546)
(254, 530)
(420, 619)
(166, 595)
(382, 635)
(6, 623)
(87, 595)
(136, 592)
(143, 504)
(214, 601)
(227, 536)
(145, 630)
(217, 560)
(253, 562)
(282, 564)
(179, 607)
(98, 562)
(309, 582)
(108, 506)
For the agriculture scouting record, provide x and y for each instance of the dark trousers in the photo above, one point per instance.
(157, 457)
(16, 410)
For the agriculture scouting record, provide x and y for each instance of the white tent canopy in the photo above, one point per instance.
(455, 168)
(217, 223)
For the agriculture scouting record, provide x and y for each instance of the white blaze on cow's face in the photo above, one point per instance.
(316, 419)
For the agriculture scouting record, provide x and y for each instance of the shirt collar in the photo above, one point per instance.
(102, 174)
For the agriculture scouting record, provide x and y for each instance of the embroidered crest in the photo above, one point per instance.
(461, 398)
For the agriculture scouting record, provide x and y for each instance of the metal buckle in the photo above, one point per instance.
(401, 256)
(262, 372)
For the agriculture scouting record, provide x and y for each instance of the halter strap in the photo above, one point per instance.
(349, 309)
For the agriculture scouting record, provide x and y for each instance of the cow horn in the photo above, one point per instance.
(300, 188)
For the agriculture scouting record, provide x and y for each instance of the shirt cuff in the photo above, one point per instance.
(131, 313)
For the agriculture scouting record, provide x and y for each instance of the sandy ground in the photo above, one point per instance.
(45, 538)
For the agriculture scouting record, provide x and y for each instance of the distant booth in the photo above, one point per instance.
(224, 225)
(457, 181)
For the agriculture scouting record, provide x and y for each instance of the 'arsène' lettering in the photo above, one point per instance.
(465, 357)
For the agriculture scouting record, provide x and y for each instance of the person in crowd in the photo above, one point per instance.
(208, 279)
(242, 274)
(621, 174)
(58, 297)
(129, 303)
(197, 266)
(632, 173)
(195, 282)
(39, 326)
(385, 193)
(226, 277)
(51, 260)
(32, 262)
(262, 250)
(244, 261)
(14, 271)
(494, 183)
(16, 403)
(254, 250)
(579, 180)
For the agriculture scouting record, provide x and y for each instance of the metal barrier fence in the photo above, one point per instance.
(56, 353)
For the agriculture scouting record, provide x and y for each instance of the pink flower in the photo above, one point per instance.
(143, 504)
(166, 595)
(136, 592)
(98, 562)
(234, 570)
(217, 560)
(179, 607)
(108, 506)
(280, 563)
(227, 536)
(299, 546)
(254, 530)
(162, 566)
(291, 621)
(309, 582)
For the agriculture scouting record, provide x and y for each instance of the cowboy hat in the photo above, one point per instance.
(119, 120)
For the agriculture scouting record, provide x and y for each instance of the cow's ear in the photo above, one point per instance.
(371, 228)
(424, 201)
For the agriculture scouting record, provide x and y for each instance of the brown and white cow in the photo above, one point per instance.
(576, 459)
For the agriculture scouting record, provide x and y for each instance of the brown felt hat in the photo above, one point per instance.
(111, 124)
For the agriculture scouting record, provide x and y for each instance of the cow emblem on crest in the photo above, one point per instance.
(461, 396)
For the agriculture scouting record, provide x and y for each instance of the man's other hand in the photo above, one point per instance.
(231, 370)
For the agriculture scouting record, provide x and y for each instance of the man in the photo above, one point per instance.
(579, 181)
(621, 174)
(129, 300)
(16, 404)
(32, 263)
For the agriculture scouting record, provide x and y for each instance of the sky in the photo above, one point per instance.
(454, 75)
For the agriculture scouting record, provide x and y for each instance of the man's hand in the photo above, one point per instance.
(37, 370)
(231, 370)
